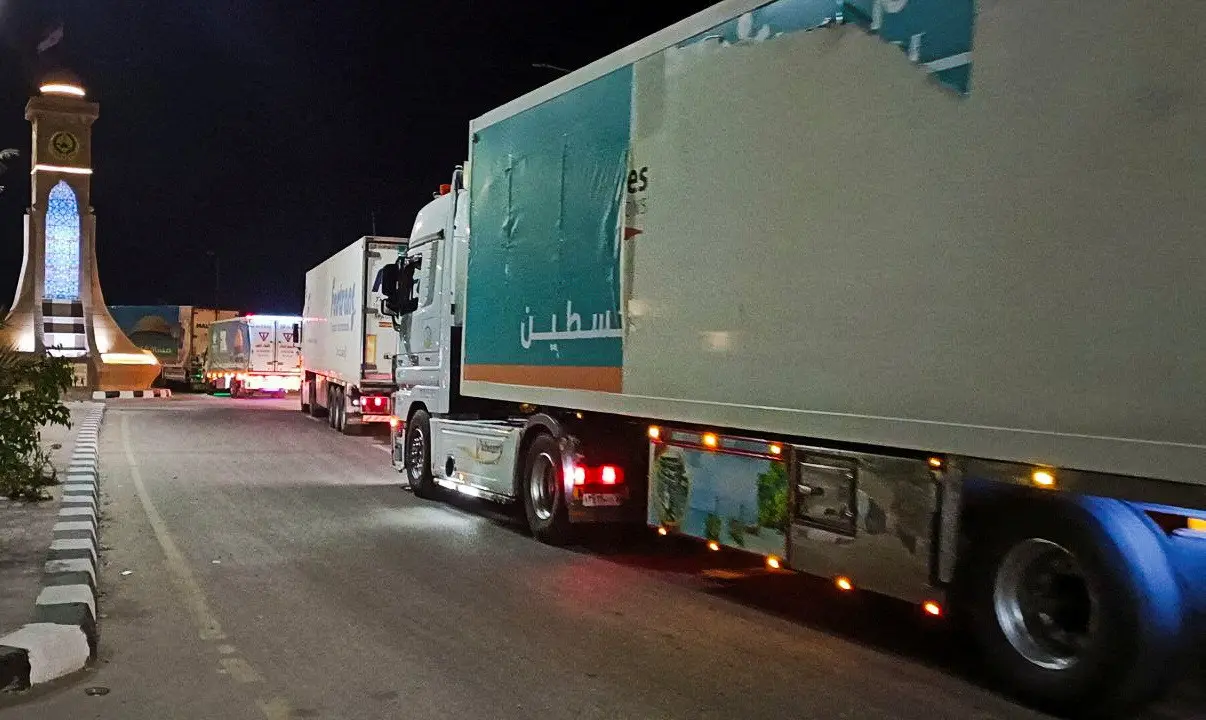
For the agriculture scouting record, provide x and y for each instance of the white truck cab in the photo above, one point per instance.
(474, 446)
(429, 336)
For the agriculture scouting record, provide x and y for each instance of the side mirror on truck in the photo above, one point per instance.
(397, 285)
(389, 288)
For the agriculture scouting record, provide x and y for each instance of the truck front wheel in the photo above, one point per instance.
(543, 487)
(1074, 605)
(416, 454)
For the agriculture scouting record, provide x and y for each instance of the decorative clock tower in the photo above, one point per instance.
(58, 306)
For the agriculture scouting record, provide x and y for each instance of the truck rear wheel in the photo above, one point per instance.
(315, 408)
(1074, 606)
(341, 410)
(543, 488)
(416, 455)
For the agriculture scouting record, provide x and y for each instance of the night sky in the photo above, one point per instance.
(270, 131)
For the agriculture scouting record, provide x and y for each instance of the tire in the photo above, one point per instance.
(341, 411)
(1094, 634)
(416, 448)
(332, 408)
(315, 409)
(236, 388)
(543, 488)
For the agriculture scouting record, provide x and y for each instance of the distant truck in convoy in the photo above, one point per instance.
(254, 355)
(178, 335)
(788, 278)
(347, 344)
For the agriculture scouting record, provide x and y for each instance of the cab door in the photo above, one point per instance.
(423, 331)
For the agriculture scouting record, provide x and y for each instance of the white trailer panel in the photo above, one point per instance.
(344, 337)
(830, 245)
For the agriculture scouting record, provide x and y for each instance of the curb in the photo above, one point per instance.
(126, 394)
(63, 636)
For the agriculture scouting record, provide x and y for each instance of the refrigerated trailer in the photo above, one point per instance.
(254, 355)
(348, 345)
(793, 279)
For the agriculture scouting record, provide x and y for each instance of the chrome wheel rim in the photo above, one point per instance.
(416, 451)
(1044, 604)
(542, 486)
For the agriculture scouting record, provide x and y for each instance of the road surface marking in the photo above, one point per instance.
(240, 670)
(227, 649)
(186, 583)
(384, 448)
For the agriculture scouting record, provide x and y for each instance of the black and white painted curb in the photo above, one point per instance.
(125, 394)
(63, 636)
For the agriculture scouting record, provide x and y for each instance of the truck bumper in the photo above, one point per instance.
(589, 505)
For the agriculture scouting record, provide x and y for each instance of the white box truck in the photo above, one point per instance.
(789, 278)
(347, 343)
(254, 355)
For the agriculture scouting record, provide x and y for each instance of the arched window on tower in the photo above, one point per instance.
(62, 244)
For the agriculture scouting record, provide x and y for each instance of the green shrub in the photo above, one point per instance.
(31, 396)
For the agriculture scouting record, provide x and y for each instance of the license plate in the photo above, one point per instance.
(602, 500)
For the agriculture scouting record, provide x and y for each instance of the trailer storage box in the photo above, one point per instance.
(822, 219)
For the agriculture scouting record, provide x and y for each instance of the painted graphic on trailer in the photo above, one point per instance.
(735, 500)
(153, 327)
(934, 34)
(544, 285)
(228, 346)
(562, 190)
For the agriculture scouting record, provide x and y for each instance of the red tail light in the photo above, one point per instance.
(375, 404)
(605, 475)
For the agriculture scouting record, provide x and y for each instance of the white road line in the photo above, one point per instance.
(186, 583)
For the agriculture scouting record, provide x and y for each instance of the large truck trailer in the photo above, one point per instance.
(348, 345)
(177, 334)
(254, 355)
(793, 278)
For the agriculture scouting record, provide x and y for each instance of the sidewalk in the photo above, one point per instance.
(26, 531)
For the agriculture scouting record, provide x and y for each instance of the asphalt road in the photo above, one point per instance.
(261, 566)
